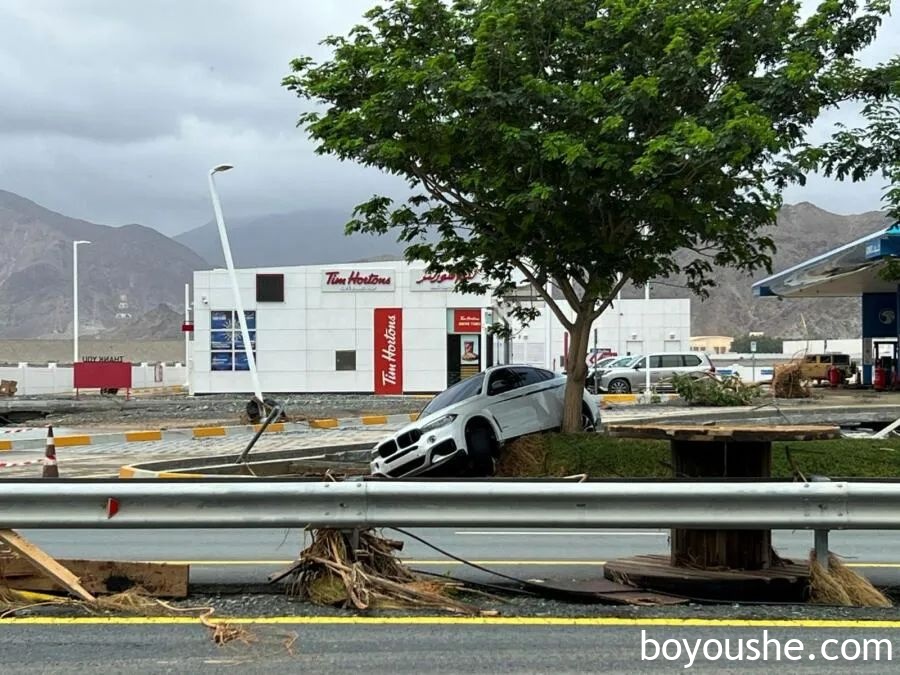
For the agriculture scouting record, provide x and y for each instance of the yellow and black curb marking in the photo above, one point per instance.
(155, 435)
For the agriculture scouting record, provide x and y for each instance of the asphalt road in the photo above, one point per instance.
(410, 646)
(552, 638)
(248, 556)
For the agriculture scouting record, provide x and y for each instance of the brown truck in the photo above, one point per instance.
(815, 367)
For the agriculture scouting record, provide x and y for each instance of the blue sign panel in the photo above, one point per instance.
(873, 249)
(879, 315)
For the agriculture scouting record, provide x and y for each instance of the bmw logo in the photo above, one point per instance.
(887, 316)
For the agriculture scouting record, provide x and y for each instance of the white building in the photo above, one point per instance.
(384, 327)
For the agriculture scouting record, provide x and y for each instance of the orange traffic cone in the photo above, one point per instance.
(51, 470)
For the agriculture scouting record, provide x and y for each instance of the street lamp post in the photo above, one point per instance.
(75, 245)
(229, 264)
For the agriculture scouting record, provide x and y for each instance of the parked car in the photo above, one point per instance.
(815, 366)
(662, 366)
(593, 377)
(462, 430)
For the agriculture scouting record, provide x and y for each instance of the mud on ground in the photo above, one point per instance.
(176, 411)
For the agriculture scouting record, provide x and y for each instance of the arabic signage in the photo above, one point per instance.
(357, 280)
(421, 280)
(388, 351)
(467, 320)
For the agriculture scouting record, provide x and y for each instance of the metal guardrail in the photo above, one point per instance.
(359, 504)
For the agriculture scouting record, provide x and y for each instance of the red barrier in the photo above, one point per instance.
(103, 375)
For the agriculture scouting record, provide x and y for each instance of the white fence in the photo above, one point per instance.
(52, 379)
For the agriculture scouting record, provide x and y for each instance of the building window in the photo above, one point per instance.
(226, 345)
(345, 360)
(270, 288)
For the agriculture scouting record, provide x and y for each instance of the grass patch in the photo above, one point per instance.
(600, 456)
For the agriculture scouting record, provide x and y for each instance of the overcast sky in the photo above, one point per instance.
(113, 111)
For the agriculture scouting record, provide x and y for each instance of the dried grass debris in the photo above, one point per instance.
(839, 585)
(362, 572)
(787, 382)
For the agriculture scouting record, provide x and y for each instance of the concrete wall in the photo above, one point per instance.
(635, 326)
(53, 379)
(852, 346)
(14, 352)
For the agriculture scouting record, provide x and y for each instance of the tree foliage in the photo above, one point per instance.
(581, 143)
(862, 152)
(764, 344)
(715, 391)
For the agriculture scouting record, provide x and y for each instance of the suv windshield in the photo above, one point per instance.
(623, 362)
(458, 392)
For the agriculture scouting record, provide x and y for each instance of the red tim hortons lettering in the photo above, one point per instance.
(388, 351)
(372, 279)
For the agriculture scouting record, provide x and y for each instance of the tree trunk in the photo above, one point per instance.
(576, 371)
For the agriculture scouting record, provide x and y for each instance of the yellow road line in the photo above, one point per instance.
(609, 622)
(330, 423)
(516, 563)
(175, 474)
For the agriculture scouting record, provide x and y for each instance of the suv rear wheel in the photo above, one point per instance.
(619, 386)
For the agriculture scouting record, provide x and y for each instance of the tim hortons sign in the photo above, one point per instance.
(389, 351)
(357, 280)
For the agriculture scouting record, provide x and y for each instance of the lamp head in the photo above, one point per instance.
(220, 168)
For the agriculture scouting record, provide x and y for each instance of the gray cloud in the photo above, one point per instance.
(113, 111)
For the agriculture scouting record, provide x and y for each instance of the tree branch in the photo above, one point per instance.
(609, 299)
(568, 292)
(542, 291)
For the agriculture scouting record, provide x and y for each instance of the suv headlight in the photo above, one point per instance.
(438, 423)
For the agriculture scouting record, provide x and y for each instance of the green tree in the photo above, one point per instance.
(862, 152)
(581, 143)
(764, 344)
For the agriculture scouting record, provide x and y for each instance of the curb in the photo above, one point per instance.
(211, 467)
(632, 399)
(199, 433)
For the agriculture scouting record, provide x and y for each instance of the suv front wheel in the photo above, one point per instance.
(619, 386)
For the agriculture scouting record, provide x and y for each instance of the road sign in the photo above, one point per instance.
(753, 347)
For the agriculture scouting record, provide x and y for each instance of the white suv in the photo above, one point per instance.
(461, 430)
(633, 376)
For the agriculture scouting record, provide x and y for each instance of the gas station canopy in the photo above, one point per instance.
(850, 270)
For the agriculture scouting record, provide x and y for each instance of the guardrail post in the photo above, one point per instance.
(352, 537)
(821, 544)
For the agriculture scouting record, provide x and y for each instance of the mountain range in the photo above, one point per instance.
(126, 270)
(312, 237)
(131, 278)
